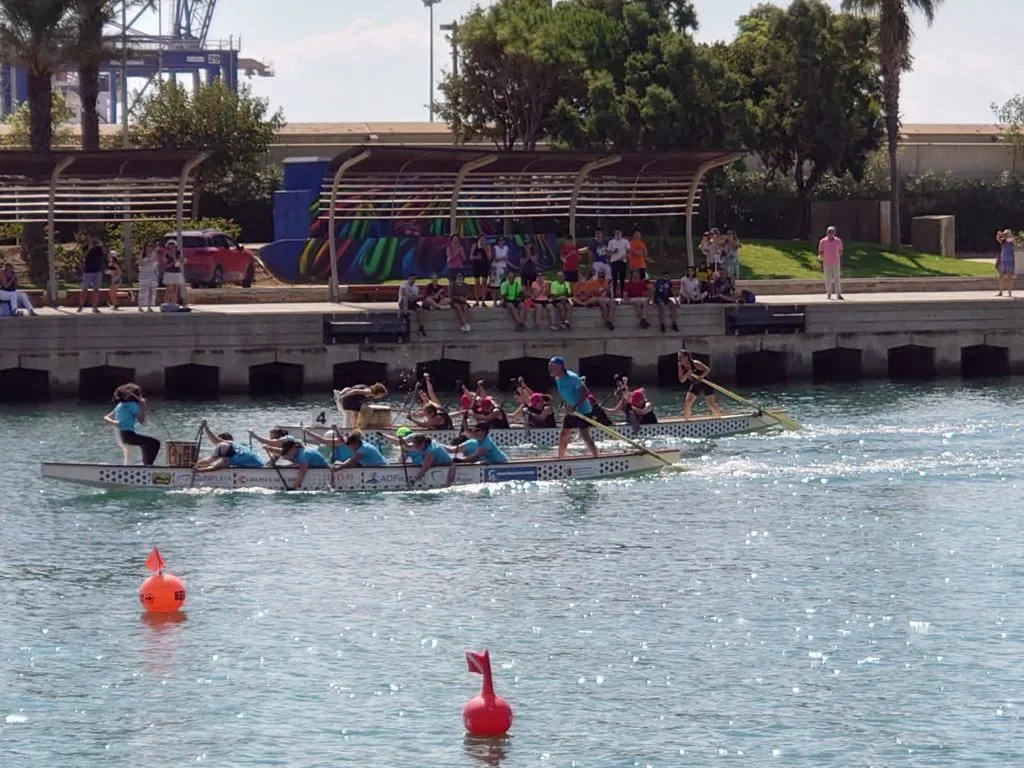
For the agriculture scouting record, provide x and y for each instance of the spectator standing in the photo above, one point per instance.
(1005, 265)
(480, 260)
(9, 292)
(499, 265)
(732, 254)
(455, 257)
(715, 246)
(571, 260)
(638, 256)
(174, 274)
(618, 251)
(149, 276)
(459, 294)
(409, 302)
(830, 251)
(636, 291)
(92, 273)
(528, 268)
(599, 256)
(115, 273)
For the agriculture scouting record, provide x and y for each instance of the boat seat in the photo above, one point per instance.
(765, 318)
(365, 328)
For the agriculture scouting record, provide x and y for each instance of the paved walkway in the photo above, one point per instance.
(320, 308)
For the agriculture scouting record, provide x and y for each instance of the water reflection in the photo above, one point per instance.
(486, 751)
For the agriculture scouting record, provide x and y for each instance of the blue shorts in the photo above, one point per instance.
(92, 280)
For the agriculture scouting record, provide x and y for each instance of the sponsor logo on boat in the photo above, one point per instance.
(586, 470)
(499, 474)
(161, 478)
(383, 478)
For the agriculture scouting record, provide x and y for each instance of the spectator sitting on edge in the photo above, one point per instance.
(409, 302)
(9, 292)
(511, 291)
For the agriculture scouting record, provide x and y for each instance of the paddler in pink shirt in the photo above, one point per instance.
(830, 250)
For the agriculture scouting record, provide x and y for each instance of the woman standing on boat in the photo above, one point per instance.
(693, 372)
(352, 400)
(130, 410)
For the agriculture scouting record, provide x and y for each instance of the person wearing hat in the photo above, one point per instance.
(1005, 265)
(489, 414)
(227, 454)
(576, 400)
(302, 457)
(635, 406)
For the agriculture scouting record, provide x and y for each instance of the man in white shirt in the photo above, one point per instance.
(409, 301)
(618, 250)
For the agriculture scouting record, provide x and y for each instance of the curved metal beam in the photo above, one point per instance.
(51, 264)
(577, 186)
(354, 160)
(460, 179)
(691, 196)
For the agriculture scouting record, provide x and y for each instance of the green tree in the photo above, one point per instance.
(37, 35)
(1011, 121)
(812, 90)
(19, 125)
(894, 36)
(90, 51)
(237, 128)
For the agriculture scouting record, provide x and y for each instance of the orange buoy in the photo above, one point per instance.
(488, 714)
(161, 592)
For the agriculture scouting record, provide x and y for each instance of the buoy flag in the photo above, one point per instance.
(478, 662)
(154, 562)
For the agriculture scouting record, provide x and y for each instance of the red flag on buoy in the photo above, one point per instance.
(478, 662)
(154, 562)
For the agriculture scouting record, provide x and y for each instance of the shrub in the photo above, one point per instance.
(144, 231)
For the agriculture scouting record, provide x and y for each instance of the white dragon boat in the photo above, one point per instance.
(392, 477)
(696, 428)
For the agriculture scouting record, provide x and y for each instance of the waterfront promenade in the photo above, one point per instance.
(286, 348)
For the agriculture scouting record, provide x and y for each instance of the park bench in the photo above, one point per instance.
(759, 319)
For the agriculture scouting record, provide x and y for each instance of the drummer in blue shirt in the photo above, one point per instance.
(481, 447)
(576, 399)
(360, 454)
(425, 453)
(302, 457)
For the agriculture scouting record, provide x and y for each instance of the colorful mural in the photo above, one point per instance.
(377, 250)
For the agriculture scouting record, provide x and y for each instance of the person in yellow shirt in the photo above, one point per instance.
(596, 293)
(638, 257)
(512, 297)
(560, 292)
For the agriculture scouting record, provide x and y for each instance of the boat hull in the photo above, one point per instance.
(390, 478)
(700, 428)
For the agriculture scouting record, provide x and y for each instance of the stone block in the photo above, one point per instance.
(934, 234)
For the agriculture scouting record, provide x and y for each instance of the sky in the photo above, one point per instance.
(368, 60)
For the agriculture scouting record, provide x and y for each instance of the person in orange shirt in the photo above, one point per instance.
(638, 255)
(595, 293)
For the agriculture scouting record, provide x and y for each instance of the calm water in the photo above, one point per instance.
(845, 596)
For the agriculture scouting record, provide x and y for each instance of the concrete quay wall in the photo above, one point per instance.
(281, 349)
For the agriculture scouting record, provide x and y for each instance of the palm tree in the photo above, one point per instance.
(37, 35)
(895, 34)
(90, 52)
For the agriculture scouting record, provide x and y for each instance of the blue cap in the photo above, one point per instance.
(557, 360)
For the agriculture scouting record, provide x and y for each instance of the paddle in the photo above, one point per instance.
(199, 446)
(785, 421)
(639, 446)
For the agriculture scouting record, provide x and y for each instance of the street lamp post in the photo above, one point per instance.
(430, 6)
(453, 28)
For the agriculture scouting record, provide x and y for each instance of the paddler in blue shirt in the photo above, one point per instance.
(302, 457)
(360, 454)
(227, 454)
(480, 447)
(425, 453)
(576, 399)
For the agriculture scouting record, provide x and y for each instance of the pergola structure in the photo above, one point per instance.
(401, 182)
(95, 187)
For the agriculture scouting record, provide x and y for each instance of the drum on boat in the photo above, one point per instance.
(375, 417)
(182, 453)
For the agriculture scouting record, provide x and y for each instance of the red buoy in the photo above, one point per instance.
(488, 714)
(161, 592)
